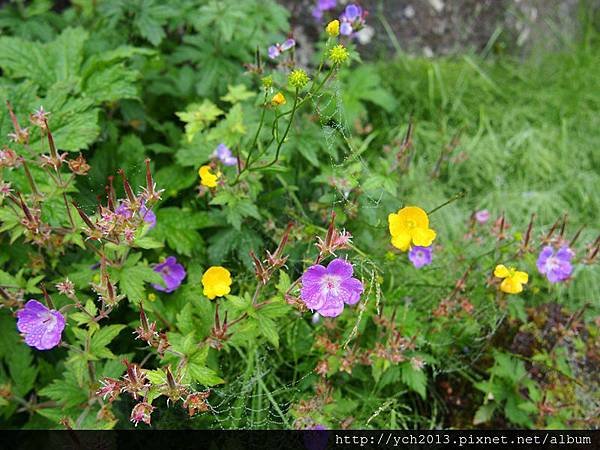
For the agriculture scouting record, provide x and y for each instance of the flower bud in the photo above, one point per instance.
(278, 100)
(333, 28)
(298, 78)
(338, 54)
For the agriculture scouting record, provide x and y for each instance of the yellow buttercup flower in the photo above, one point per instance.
(410, 226)
(216, 282)
(333, 28)
(513, 279)
(278, 99)
(207, 178)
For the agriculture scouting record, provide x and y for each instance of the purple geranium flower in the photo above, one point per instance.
(482, 216)
(225, 156)
(352, 19)
(148, 216)
(323, 5)
(123, 210)
(172, 273)
(420, 256)
(327, 289)
(557, 267)
(41, 327)
(277, 49)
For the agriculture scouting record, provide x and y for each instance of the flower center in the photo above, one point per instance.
(330, 282)
(48, 319)
(411, 224)
(552, 263)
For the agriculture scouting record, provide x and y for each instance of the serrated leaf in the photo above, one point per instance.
(268, 328)
(237, 93)
(203, 375)
(416, 380)
(198, 116)
(132, 280)
(484, 413)
(103, 337)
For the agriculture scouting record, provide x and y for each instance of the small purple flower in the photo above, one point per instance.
(345, 28)
(327, 289)
(321, 7)
(225, 156)
(41, 327)
(352, 19)
(172, 273)
(557, 267)
(352, 12)
(277, 49)
(148, 216)
(482, 216)
(124, 211)
(420, 256)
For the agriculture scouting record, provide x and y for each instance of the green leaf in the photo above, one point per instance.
(178, 228)
(45, 64)
(231, 129)
(133, 278)
(111, 84)
(147, 243)
(22, 370)
(268, 328)
(65, 391)
(198, 116)
(204, 375)
(103, 337)
(156, 377)
(416, 380)
(237, 93)
(484, 413)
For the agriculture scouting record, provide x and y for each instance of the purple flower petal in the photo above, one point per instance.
(354, 288)
(565, 253)
(546, 253)
(273, 52)
(346, 28)
(326, 290)
(288, 43)
(313, 295)
(340, 268)
(333, 307)
(353, 12)
(313, 274)
(420, 256)
(172, 273)
(41, 327)
(148, 216)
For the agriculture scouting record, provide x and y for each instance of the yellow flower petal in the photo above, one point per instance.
(401, 241)
(414, 217)
(333, 28)
(521, 277)
(278, 99)
(207, 178)
(395, 225)
(423, 237)
(511, 286)
(501, 271)
(216, 282)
